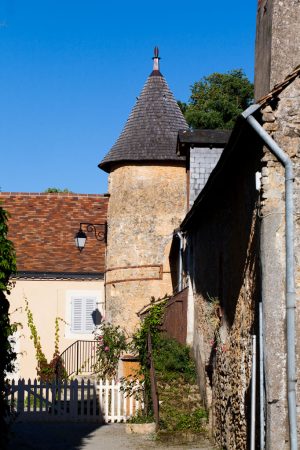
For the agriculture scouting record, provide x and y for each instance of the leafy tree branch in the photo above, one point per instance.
(217, 100)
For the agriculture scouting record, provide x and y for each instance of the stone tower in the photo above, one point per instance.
(147, 187)
(277, 55)
(277, 49)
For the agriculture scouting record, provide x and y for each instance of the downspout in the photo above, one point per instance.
(289, 262)
(190, 302)
(261, 380)
(180, 236)
(253, 395)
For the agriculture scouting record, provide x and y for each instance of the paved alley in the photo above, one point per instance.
(85, 436)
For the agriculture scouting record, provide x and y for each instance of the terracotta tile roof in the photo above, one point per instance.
(42, 228)
(150, 133)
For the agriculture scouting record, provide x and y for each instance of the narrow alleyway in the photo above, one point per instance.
(85, 436)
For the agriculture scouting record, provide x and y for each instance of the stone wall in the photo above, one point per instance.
(277, 54)
(263, 48)
(202, 162)
(277, 42)
(282, 121)
(224, 271)
(237, 242)
(147, 202)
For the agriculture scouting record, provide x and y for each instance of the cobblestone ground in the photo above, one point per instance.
(83, 436)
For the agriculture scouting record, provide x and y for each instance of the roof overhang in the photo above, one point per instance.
(187, 139)
(34, 275)
(108, 167)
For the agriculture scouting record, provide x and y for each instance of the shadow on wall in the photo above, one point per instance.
(226, 241)
(174, 262)
(226, 279)
(97, 317)
(251, 266)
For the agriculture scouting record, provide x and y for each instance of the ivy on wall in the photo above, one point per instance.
(151, 323)
(7, 355)
(54, 369)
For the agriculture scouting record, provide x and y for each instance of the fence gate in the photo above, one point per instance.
(86, 401)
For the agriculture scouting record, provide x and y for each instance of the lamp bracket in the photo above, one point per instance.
(99, 229)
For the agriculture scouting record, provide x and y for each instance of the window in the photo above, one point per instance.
(84, 311)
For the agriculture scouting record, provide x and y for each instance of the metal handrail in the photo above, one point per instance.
(79, 357)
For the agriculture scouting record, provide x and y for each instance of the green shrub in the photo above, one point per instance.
(172, 360)
(111, 342)
(140, 417)
(191, 421)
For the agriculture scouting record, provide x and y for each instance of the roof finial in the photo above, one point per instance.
(156, 59)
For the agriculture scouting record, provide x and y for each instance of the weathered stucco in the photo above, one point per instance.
(147, 202)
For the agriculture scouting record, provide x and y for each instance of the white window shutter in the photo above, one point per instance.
(77, 310)
(82, 317)
(90, 308)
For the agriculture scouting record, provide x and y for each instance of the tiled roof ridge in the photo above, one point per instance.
(52, 194)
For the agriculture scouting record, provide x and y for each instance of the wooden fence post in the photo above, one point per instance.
(154, 393)
(20, 405)
(73, 400)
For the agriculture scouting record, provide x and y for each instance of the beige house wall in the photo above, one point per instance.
(47, 300)
(147, 202)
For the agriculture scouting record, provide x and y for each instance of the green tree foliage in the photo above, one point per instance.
(183, 106)
(7, 356)
(217, 100)
(54, 190)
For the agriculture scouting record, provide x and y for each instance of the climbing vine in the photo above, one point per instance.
(7, 355)
(54, 369)
(150, 324)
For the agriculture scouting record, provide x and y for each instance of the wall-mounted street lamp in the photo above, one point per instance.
(99, 230)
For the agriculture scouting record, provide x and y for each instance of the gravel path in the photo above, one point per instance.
(84, 436)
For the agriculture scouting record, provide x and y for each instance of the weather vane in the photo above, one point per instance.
(156, 59)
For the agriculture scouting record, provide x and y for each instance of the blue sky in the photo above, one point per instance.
(71, 70)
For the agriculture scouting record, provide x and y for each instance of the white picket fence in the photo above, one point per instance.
(101, 401)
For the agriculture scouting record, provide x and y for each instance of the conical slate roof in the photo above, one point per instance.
(150, 133)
